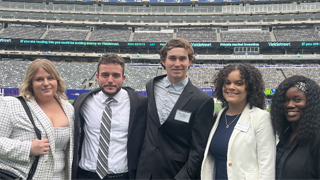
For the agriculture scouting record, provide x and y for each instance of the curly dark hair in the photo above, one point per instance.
(309, 122)
(253, 80)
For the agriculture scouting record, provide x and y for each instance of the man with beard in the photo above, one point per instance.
(110, 124)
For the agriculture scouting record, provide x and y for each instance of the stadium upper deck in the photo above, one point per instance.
(161, 14)
(219, 31)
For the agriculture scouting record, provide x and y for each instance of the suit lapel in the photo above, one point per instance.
(245, 119)
(184, 98)
(152, 101)
(78, 106)
(133, 108)
(45, 123)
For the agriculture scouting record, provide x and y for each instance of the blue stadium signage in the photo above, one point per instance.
(160, 44)
(279, 44)
(201, 44)
(137, 44)
(5, 40)
(58, 42)
(310, 43)
(240, 44)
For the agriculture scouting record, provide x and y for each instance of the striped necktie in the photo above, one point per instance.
(102, 163)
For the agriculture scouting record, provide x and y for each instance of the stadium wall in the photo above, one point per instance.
(71, 93)
(74, 93)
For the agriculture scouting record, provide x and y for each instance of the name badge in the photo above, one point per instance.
(242, 127)
(183, 116)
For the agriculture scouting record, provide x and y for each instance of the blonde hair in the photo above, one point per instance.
(26, 90)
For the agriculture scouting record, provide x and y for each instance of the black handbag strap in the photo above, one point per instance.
(38, 133)
(26, 108)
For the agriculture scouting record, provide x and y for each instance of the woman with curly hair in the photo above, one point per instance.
(241, 144)
(295, 112)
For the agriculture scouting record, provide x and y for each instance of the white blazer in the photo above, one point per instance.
(17, 134)
(252, 154)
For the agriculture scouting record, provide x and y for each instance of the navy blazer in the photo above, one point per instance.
(174, 150)
(137, 126)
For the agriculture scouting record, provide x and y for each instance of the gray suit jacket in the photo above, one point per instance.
(17, 134)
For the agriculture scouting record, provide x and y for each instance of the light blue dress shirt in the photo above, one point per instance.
(166, 96)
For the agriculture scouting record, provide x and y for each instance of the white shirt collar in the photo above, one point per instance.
(177, 86)
(103, 97)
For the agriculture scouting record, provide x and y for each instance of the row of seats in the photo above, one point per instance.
(285, 35)
(249, 36)
(76, 75)
(195, 35)
(152, 37)
(198, 35)
(160, 8)
(158, 19)
(76, 35)
(22, 32)
(110, 35)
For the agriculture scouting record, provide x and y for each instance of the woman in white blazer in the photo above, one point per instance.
(43, 89)
(241, 144)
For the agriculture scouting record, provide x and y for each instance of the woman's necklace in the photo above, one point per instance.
(225, 117)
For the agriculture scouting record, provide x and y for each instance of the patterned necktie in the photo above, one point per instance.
(102, 163)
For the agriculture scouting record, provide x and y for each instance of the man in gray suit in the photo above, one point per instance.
(180, 117)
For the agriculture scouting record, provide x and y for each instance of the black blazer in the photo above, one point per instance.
(299, 161)
(137, 126)
(175, 149)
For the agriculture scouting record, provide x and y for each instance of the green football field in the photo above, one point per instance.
(217, 107)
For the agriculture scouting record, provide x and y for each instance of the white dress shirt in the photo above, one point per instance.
(166, 96)
(92, 113)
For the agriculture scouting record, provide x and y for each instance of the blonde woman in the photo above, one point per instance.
(43, 90)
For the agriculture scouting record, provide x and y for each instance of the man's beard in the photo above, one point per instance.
(110, 94)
